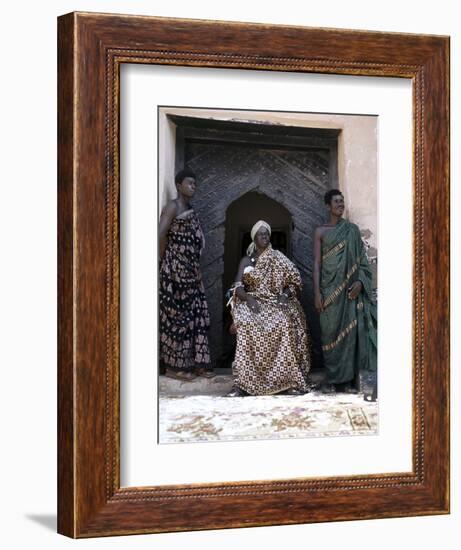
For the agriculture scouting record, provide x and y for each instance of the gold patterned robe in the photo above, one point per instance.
(273, 346)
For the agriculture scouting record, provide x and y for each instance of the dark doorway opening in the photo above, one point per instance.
(241, 215)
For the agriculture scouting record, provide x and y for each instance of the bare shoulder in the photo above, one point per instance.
(170, 210)
(320, 231)
(244, 262)
(171, 206)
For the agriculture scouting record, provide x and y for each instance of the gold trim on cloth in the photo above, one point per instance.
(336, 248)
(331, 298)
(341, 336)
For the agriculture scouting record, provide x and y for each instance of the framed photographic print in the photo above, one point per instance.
(253, 275)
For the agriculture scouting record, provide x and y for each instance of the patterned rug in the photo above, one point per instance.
(188, 419)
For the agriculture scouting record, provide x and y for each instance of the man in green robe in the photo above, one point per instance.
(344, 300)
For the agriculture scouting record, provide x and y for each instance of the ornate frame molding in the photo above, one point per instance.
(91, 50)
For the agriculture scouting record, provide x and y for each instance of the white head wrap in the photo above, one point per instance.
(254, 230)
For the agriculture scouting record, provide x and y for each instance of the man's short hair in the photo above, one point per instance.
(330, 194)
(183, 174)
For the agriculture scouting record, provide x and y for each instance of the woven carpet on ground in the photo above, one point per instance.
(188, 419)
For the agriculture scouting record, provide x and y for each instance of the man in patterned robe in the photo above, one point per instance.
(273, 343)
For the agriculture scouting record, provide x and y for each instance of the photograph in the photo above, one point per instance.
(267, 274)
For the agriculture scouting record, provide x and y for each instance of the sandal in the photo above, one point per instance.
(327, 388)
(236, 392)
(179, 375)
(204, 373)
(292, 391)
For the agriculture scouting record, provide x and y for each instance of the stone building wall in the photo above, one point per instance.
(357, 157)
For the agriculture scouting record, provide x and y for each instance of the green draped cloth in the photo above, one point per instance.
(348, 327)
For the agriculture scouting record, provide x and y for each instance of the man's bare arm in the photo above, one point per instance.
(168, 214)
(318, 300)
(240, 291)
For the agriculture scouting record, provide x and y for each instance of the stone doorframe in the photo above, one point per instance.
(211, 202)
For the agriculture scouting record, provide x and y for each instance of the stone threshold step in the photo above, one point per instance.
(219, 385)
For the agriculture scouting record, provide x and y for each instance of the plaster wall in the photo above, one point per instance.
(357, 157)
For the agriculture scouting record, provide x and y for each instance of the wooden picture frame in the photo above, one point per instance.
(92, 48)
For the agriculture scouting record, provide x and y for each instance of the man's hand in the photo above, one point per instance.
(354, 290)
(253, 304)
(282, 299)
(318, 302)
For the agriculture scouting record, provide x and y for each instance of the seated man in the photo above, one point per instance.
(273, 348)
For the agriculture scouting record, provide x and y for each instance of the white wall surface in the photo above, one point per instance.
(28, 273)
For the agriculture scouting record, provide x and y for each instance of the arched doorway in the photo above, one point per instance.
(241, 215)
